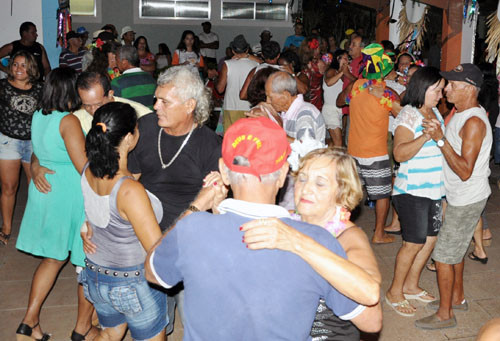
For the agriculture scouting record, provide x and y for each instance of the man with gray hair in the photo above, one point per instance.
(300, 117)
(176, 151)
(233, 293)
(133, 84)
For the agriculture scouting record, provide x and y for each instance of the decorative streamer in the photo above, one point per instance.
(63, 23)
(411, 35)
(470, 12)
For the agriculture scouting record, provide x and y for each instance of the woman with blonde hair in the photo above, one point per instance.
(327, 189)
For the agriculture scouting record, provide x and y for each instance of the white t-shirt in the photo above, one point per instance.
(208, 38)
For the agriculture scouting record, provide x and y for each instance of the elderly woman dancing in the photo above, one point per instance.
(124, 219)
(418, 188)
(327, 188)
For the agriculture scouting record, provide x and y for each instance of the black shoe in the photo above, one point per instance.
(79, 337)
(26, 330)
(472, 256)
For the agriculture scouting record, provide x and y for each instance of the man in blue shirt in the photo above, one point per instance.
(231, 292)
(295, 40)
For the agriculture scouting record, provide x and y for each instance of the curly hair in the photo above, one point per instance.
(100, 61)
(349, 190)
(31, 66)
(188, 85)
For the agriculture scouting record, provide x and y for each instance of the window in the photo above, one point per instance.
(253, 10)
(174, 9)
(83, 7)
(86, 11)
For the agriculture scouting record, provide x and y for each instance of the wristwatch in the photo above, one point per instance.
(440, 143)
(193, 208)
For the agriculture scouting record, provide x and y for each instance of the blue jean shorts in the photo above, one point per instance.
(14, 149)
(130, 300)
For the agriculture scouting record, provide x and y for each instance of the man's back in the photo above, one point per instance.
(369, 122)
(137, 86)
(237, 71)
(232, 293)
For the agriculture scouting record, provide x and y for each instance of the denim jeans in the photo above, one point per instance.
(130, 300)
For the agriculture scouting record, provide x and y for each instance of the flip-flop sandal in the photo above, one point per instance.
(397, 232)
(5, 237)
(431, 267)
(402, 304)
(419, 297)
(472, 256)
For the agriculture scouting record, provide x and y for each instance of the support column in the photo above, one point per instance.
(452, 35)
(468, 40)
(382, 30)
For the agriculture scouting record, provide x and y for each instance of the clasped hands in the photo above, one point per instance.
(432, 129)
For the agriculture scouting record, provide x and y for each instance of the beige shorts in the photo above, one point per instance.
(332, 116)
(231, 116)
(456, 233)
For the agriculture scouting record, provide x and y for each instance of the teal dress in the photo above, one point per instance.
(51, 223)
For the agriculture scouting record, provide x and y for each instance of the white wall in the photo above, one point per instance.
(125, 12)
(22, 10)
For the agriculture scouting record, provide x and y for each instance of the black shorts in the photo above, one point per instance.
(420, 217)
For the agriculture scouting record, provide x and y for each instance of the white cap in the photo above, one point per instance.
(126, 29)
(96, 34)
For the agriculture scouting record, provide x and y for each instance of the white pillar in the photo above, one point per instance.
(468, 39)
(393, 28)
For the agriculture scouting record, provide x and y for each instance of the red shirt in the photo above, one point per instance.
(354, 68)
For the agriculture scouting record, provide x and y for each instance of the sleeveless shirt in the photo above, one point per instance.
(115, 238)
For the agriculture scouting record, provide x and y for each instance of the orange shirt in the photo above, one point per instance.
(369, 121)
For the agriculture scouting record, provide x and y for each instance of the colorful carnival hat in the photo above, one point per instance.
(377, 63)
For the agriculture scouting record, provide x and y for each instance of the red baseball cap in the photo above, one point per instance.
(261, 141)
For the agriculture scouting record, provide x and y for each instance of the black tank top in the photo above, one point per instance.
(35, 50)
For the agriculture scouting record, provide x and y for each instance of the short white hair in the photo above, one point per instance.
(237, 178)
(283, 81)
(188, 85)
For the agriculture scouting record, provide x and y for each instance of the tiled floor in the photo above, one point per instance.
(482, 288)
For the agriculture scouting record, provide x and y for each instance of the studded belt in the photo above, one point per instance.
(112, 272)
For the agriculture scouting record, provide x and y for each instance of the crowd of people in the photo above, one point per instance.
(250, 235)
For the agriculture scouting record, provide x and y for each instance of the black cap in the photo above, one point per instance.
(466, 72)
(72, 34)
(239, 44)
(106, 36)
(206, 23)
